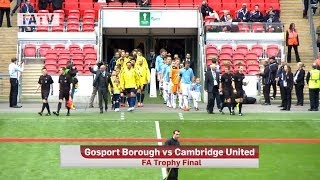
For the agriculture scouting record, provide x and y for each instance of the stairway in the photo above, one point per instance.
(291, 12)
(32, 71)
(8, 50)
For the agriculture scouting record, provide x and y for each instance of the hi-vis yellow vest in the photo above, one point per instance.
(314, 81)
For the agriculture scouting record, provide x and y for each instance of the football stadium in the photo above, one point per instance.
(159, 89)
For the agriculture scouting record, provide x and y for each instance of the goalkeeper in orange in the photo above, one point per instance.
(174, 82)
(144, 78)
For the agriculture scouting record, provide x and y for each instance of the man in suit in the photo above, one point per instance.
(299, 83)
(27, 7)
(266, 82)
(101, 82)
(280, 80)
(273, 74)
(211, 86)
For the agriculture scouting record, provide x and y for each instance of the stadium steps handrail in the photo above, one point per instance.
(312, 32)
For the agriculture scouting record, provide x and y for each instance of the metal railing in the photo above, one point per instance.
(312, 32)
(244, 27)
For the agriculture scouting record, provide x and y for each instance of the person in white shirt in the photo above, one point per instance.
(14, 69)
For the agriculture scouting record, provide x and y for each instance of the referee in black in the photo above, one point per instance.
(172, 173)
(65, 81)
(45, 82)
(227, 90)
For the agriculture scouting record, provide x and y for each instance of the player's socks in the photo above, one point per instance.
(68, 113)
(142, 97)
(43, 106)
(133, 103)
(229, 107)
(173, 100)
(48, 108)
(240, 108)
(185, 102)
(59, 107)
(116, 105)
(139, 97)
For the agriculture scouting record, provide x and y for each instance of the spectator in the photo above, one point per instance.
(205, 9)
(243, 14)
(152, 59)
(271, 10)
(43, 4)
(256, 15)
(188, 58)
(292, 41)
(57, 4)
(5, 8)
(224, 17)
(314, 6)
(299, 83)
(18, 4)
(27, 7)
(305, 8)
(113, 62)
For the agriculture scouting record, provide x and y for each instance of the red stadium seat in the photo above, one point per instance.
(186, 3)
(73, 47)
(226, 49)
(115, 4)
(239, 62)
(64, 57)
(43, 49)
(73, 27)
(257, 27)
(89, 12)
(272, 50)
(84, 6)
(229, 6)
(70, 5)
(52, 55)
(50, 61)
(88, 46)
(59, 47)
(243, 27)
(42, 28)
(88, 25)
(77, 62)
(212, 51)
(43, 11)
(51, 68)
(242, 48)
(253, 62)
(129, 5)
(258, 49)
(77, 57)
(89, 51)
(63, 52)
(30, 50)
(172, 2)
(63, 62)
(74, 12)
(76, 52)
(73, 18)
(90, 61)
(238, 56)
(198, 3)
(225, 57)
(57, 28)
(91, 56)
(88, 29)
(244, 1)
(252, 56)
(88, 18)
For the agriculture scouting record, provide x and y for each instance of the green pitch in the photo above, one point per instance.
(278, 161)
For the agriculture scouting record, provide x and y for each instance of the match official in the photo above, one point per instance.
(172, 173)
(65, 82)
(45, 82)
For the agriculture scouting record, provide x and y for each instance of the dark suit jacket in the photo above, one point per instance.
(300, 78)
(96, 81)
(24, 9)
(289, 78)
(209, 83)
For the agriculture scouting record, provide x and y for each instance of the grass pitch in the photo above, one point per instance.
(281, 161)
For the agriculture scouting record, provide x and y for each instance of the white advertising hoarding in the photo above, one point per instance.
(150, 18)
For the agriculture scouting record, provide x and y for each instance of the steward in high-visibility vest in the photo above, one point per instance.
(313, 80)
(5, 8)
(292, 38)
(292, 41)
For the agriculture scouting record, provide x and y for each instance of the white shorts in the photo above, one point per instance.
(196, 96)
(166, 87)
(186, 88)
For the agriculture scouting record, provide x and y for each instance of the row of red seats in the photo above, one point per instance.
(53, 69)
(70, 27)
(32, 50)
(271, 50)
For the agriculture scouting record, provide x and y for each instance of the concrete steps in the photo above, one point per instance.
(30, 78)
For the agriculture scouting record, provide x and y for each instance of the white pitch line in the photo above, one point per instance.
(158, 132)
(122, 116)
(181, 116)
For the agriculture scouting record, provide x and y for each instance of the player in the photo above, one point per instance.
(227, 90)
(115, 90)
(238, 90)
(129, 82)
(174, 83)
(196, 93)
(144, 78)
(166, 81)
(172, 173)
(45, 82)
(180, 97)
(187, 77)
(65, 82)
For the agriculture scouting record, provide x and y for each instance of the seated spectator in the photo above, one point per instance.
(271, 10)
(272, 23)
(27, 7)
(56, 4)
(243, 14)
(43, 4)
(206, 9)
(256, 15)
(272, 18)
(224, 16)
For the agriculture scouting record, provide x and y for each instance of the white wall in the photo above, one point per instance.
(82, 94)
